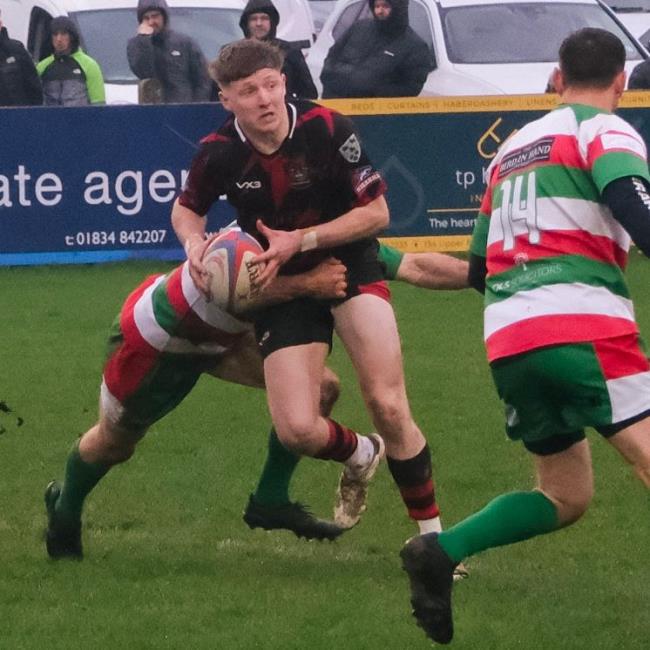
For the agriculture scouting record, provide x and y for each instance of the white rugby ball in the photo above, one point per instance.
(231, 275)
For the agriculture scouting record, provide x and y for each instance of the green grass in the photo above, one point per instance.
(169, 562)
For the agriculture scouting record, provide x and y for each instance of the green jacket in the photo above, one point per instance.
(62, 89)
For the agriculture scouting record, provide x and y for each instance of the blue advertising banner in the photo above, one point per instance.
(94, 184)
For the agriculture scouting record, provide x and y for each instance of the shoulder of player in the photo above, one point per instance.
(224, 137)
(315, 115)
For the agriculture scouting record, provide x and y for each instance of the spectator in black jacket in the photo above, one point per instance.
(378, 57)
(173, 59)
(640, 77)
(19, 81)
(260, 20)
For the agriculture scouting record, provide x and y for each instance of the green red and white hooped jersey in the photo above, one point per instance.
(168, 313)
(555, 254)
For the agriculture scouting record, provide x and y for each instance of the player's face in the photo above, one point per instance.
(61, 42)
(259, 26)
(382, 9)
(257, 101)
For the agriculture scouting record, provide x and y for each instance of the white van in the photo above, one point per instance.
(106, 26)
(486, 47)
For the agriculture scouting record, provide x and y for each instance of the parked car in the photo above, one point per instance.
(635, 15)
(106, 26)
(486, 47)
(320, 10)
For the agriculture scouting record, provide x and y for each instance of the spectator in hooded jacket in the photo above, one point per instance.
(378, 57)
(173, 59)
(640, 77)
(260, 20)
(69, 76)
(19, 82)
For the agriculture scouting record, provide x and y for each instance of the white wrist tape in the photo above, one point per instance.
(309, 241)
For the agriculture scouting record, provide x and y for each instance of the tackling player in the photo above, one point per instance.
(565, 194)
(166, 335)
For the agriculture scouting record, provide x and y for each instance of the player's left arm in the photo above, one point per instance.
(360, 186)
(618, 158)
(629, 200)
(364, 221)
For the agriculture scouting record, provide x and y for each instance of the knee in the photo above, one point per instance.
(389, 410)
(329, 393)
(297, 434)
(116, 446)
(571, 506)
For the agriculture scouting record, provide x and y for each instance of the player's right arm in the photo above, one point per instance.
(478, 246)
(433, 271)
(201, 190)
(190, 230)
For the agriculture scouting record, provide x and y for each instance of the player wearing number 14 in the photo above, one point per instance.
(565, 195)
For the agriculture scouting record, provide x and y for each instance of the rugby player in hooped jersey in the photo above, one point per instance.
(166, 335)
(565, 195)
(301, 182)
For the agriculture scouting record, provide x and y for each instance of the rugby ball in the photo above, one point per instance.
(231, 275)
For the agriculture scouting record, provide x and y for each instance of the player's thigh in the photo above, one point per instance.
(241, 365)
(633, 443)
(295, 323)
(293, 378)
(566, 478)
(551, 394)
(367, 327)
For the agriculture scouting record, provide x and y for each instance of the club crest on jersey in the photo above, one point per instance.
(298, 173)
(351, 149)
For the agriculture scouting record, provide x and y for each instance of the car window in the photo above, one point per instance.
(631, 6)
(419, 20)
(105, 34)
(521, 33)
(353, 12)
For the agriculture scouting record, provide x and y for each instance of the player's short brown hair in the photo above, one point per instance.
(243, 58)
(591, 57)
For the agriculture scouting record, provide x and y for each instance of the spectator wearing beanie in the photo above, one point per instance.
(260, 20)
(173, 59)
(69, 76)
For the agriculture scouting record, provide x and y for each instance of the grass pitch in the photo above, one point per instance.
(169, 562)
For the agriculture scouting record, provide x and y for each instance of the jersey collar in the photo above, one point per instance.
(293, 118)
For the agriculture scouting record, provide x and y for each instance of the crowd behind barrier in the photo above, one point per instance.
(377, 57)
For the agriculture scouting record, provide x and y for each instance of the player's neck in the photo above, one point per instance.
(605, 100)
(269, 142)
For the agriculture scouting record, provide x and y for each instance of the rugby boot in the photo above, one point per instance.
(431, 574)
(62, 539)
(352, 491)
(291, 516)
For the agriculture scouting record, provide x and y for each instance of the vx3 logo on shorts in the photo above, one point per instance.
(249, 185)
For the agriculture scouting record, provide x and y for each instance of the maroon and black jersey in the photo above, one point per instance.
(319, 173)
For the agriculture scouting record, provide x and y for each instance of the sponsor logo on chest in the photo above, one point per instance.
(249, 185)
